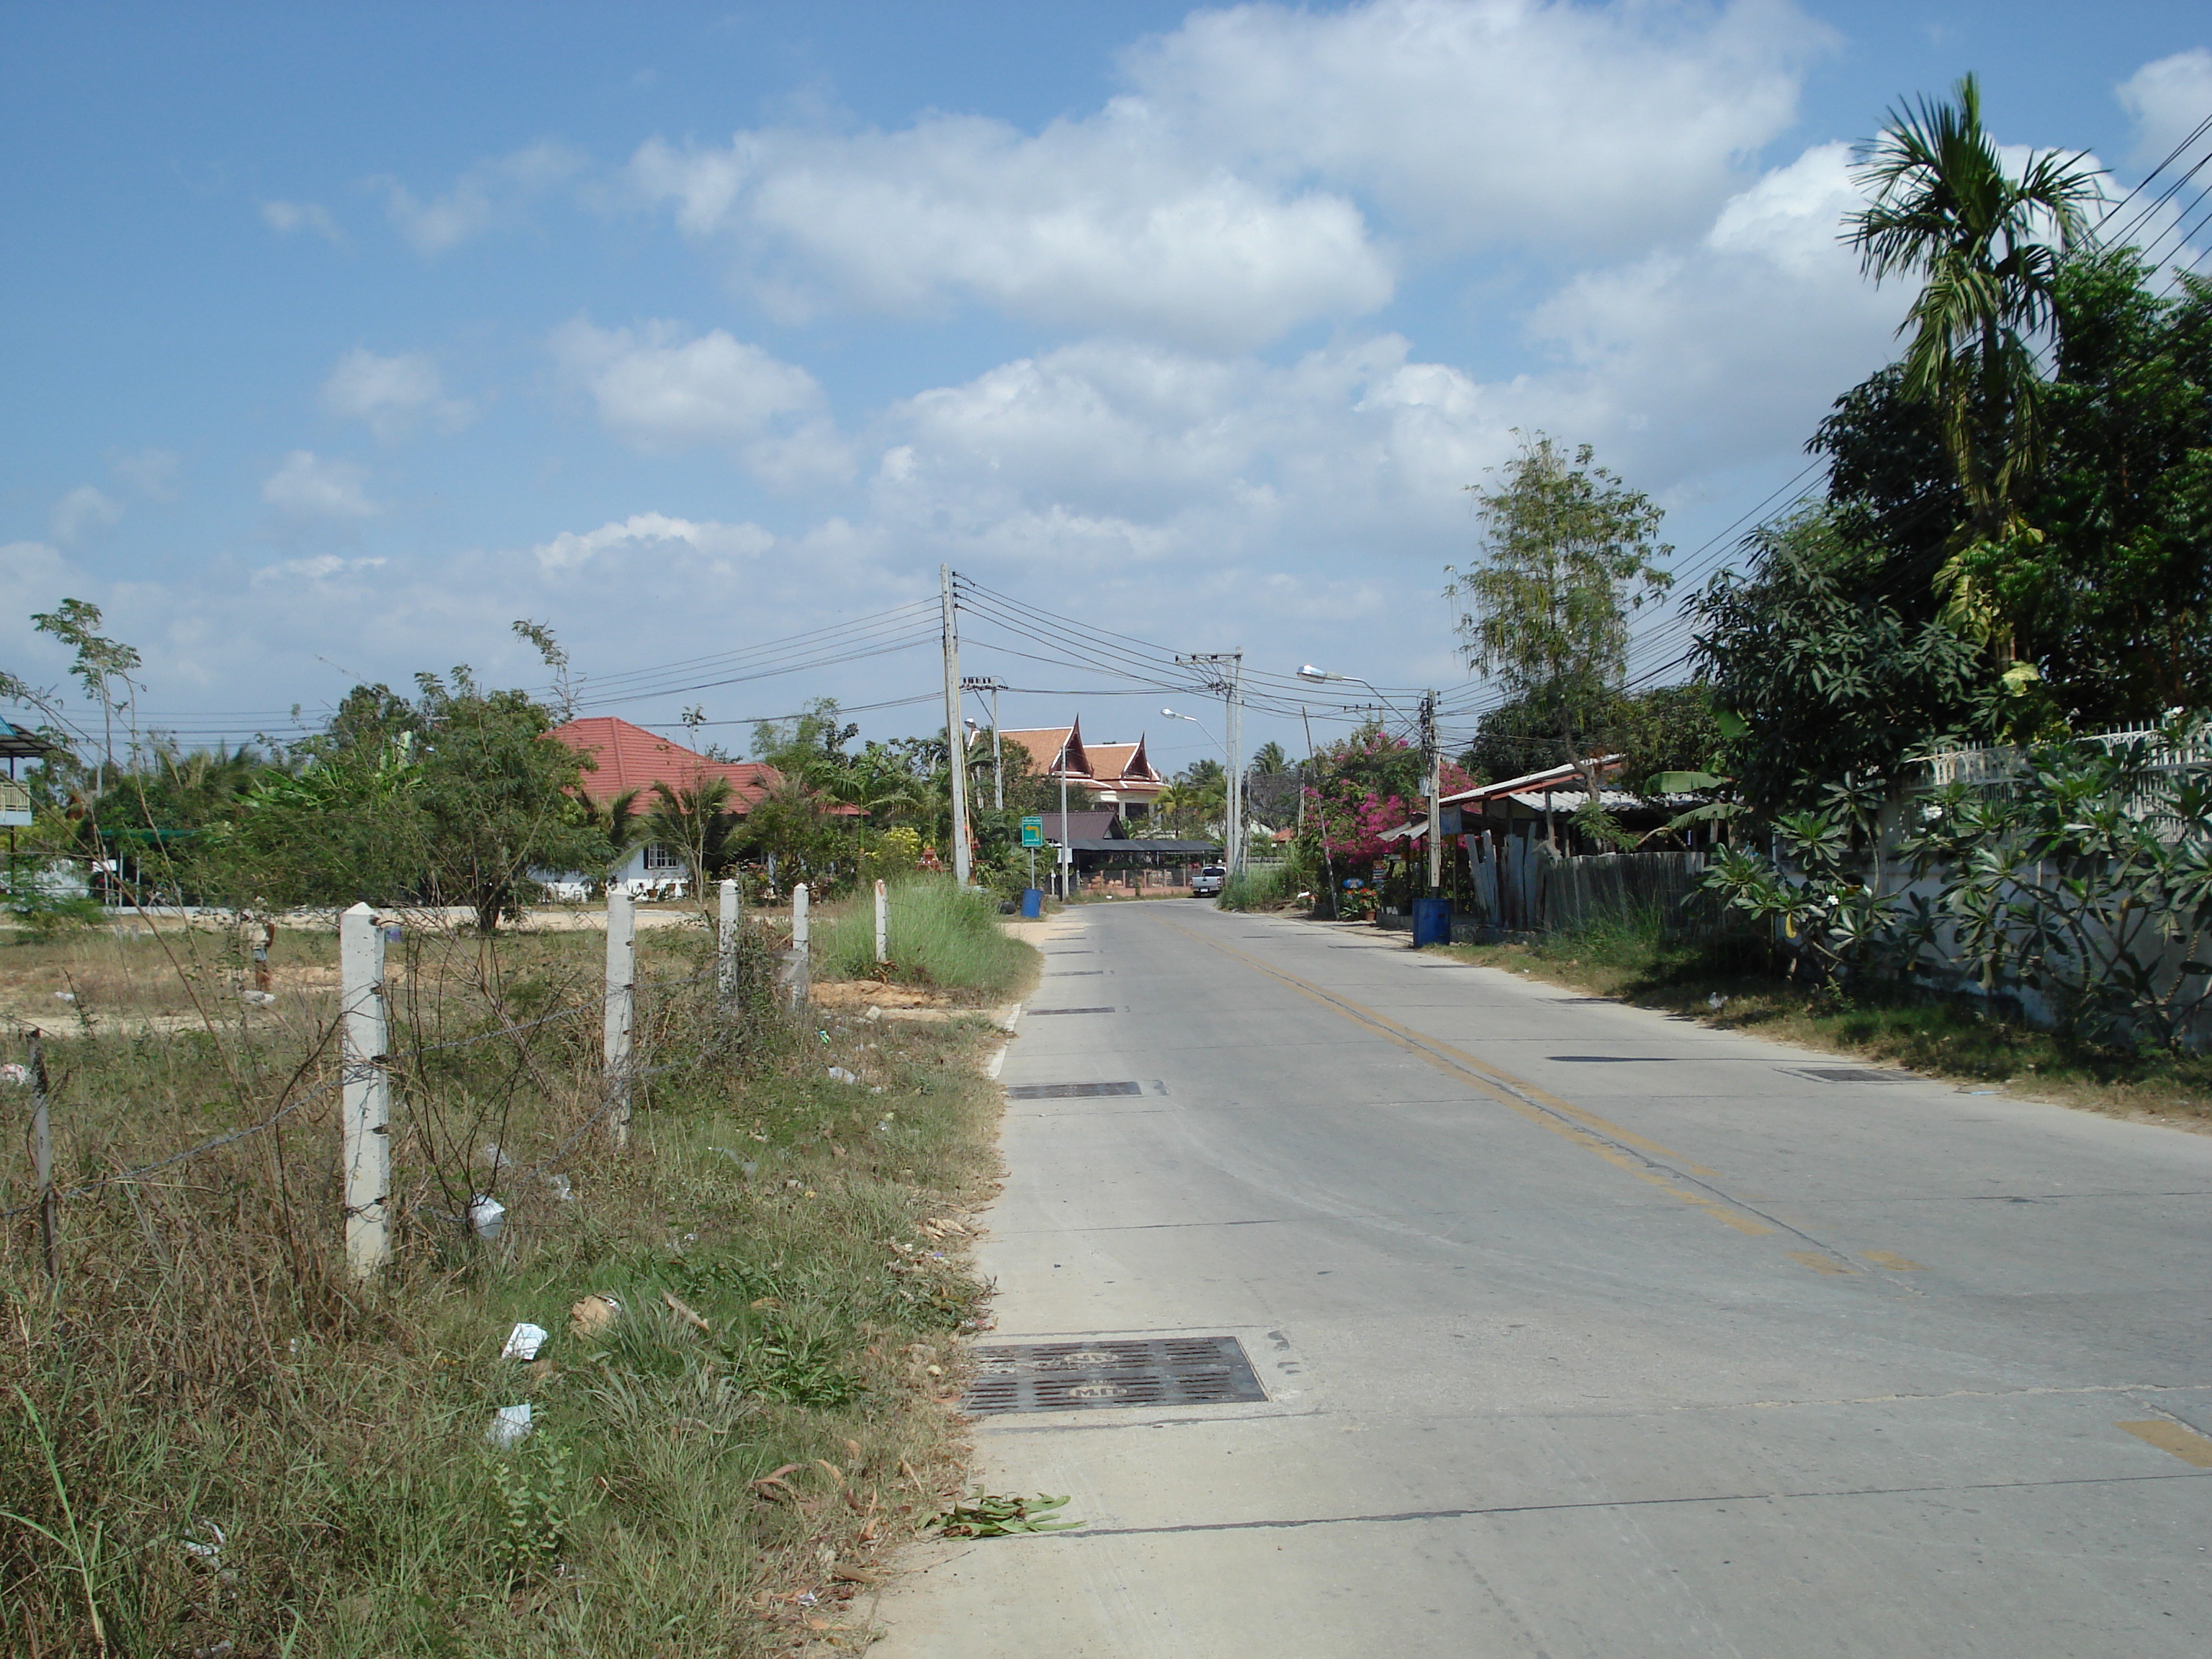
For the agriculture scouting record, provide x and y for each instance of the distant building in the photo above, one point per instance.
(1114, 776)
(629, 758)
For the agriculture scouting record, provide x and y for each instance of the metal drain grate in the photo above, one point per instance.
(1072, 1090)
(1852, 1074)
(1035, 1011)
(1065, 1376)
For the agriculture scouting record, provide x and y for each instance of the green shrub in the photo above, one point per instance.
(940, 935)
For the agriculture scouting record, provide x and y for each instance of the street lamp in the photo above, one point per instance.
(1201, 725)
(1433, 756)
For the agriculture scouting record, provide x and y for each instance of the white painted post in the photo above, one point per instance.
(726, 939)
(622, 1007)
(365, 1094)
(883, 925)
(800, 966)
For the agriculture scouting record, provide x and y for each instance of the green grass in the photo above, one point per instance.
(206, 1364)
(1634, 959)
(1257, 889)
(940, 936)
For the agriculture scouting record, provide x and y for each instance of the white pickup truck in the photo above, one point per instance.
(1206, 883)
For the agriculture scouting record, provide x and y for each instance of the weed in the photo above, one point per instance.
(939, 934)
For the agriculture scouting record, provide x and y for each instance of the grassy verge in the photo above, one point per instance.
(211, 1441)
(940, 935)
(1256, 890)
(1631, 960)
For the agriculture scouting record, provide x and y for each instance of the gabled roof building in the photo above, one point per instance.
(1113, 774)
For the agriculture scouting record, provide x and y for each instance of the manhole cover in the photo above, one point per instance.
(1060, 1376)
(1072, 1090)
(1034, 1012)
(1852, 1074)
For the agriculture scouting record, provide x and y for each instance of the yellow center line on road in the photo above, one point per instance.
(1584, 1129)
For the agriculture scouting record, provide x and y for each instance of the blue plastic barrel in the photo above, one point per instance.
(1431, 922)
(1032, 903)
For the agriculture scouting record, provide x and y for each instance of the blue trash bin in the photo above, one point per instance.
(1431, 922)
(1032, 903)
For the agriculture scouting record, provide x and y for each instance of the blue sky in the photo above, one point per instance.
(339, 337)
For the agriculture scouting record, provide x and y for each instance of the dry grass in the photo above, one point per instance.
(204, 1364)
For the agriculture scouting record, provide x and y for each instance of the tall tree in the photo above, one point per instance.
(1987, 244)
(1569, 552)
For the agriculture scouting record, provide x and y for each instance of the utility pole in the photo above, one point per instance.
(1228, 683)
(1432, 752)
(990, 683)
(956, 752)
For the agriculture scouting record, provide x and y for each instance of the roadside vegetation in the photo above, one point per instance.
(213, 1442)
(1266, 889)
(1640, 960)
(939, 936)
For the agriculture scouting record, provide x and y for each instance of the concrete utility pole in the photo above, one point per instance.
(365, 1094)
(1228, 682)
(621, 1009)
(1434, 755)
(956, 752)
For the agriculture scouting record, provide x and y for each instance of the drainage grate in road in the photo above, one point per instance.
(1072, 1090)
(1035, 1011)
(1852, 1075)
(1062, 1376)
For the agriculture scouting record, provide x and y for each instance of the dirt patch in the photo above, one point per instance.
(873, 994)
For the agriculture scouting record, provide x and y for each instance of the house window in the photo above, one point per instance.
(658, 856)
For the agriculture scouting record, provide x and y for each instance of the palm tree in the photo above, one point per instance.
(1947, 209)
(696, 819)
(618, 825)
(1269, 759)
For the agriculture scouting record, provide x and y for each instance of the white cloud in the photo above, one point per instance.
(391, 394)
(490, 195)
(82, 513)
(650, 532)
(321, 567)
(1218, 203)
(152, 472)
(661, 393)
(1524, 122)
(308, 486)
(285, 217)
(1719, 352)
(1694, 358)
(1096, 224)
(2166, 99)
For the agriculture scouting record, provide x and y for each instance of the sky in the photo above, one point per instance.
(338, 338)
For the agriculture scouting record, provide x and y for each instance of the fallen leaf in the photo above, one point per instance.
(853, 1575)
(682, 1310)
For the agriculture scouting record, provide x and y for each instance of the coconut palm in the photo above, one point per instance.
(1987, 243)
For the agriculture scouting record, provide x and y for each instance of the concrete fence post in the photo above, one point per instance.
(622, 1007)
(42, 1163)
(365, 1094)
(883, 925)
(801, 968)
(726, 940)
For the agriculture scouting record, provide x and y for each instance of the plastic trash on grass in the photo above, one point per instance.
(523, 1341)
(510, 1425)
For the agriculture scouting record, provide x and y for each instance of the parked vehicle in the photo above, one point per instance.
(1206, 883)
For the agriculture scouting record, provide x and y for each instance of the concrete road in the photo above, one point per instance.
(1585, 1332)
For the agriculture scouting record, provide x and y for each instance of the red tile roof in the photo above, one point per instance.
(631, 757)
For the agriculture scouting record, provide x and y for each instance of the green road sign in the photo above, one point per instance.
(1033, 832)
